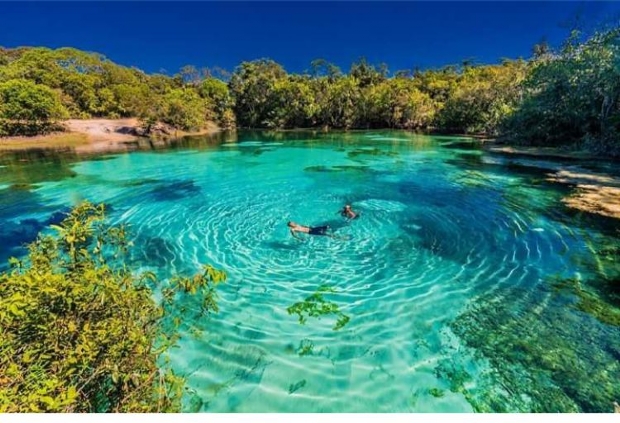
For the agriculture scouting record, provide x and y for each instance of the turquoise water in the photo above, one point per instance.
(451, 278)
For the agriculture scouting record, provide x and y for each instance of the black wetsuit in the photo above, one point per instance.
(318, 230)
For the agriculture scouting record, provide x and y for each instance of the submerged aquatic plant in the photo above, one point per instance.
(296, 386)
(588, 301)
(371, 152)
(315, 305)
(537, 364)
(436, 392)
(305, 347)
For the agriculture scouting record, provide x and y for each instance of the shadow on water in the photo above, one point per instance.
(140, 182)
(431, 234)
(152, 251)
(16, 236)
(334, 224)
(175, 190)
(32, 167)
(280, 245)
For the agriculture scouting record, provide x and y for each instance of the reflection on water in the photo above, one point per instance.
(470, 287)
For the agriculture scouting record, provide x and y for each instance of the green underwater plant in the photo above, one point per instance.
(436, 392)
(305, 347)
(544, 354)
(315, 305)
(296, 386)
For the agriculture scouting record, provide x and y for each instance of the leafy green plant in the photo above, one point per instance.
(27, 108)
(80, 332)
(294, 387)
(306, 346)
(436, 392)
(315, 305)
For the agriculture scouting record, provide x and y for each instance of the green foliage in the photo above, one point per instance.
(483, 97)
(367, 74)
(184, 109)
(27, 108)
(252, 85)
(315, 305)
(292, 103)
(79, 332)
(216, 92)
(556, 98)
(321, 67)
(438, 84)
(340, 103)
(89, 85)
(572, 96)
(397, 103)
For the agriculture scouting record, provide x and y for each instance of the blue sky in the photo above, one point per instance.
(162, 35)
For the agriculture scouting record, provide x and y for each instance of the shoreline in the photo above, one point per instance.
(594, 192)
(88, 136)
(491, 146)
(102, 135)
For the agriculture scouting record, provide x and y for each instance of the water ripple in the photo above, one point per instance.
(435, 235)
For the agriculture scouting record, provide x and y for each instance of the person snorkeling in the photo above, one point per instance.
(348, 212)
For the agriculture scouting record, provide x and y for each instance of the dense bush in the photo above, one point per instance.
(80, 332)
(27, 108)
(573, 96)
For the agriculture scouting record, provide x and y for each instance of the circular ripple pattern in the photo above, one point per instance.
(434, 235)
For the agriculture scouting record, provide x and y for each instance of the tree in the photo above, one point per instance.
(572, 96)
(339, 107)
(541, 49)
(483, 96)
(27, 108)
(132, 99)
(218, 94)
(321, 67)
(397, 103)
(190, 75)
(438, 84)
(184, 109)
(403, 73)
(252, 85)
(292, 104)
(366, 74)
(80, 95)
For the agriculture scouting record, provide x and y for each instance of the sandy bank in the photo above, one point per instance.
(97, 135)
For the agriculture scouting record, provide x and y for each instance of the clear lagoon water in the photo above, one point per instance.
(468, 284)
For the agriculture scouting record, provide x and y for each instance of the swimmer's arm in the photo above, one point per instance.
(295, 236)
